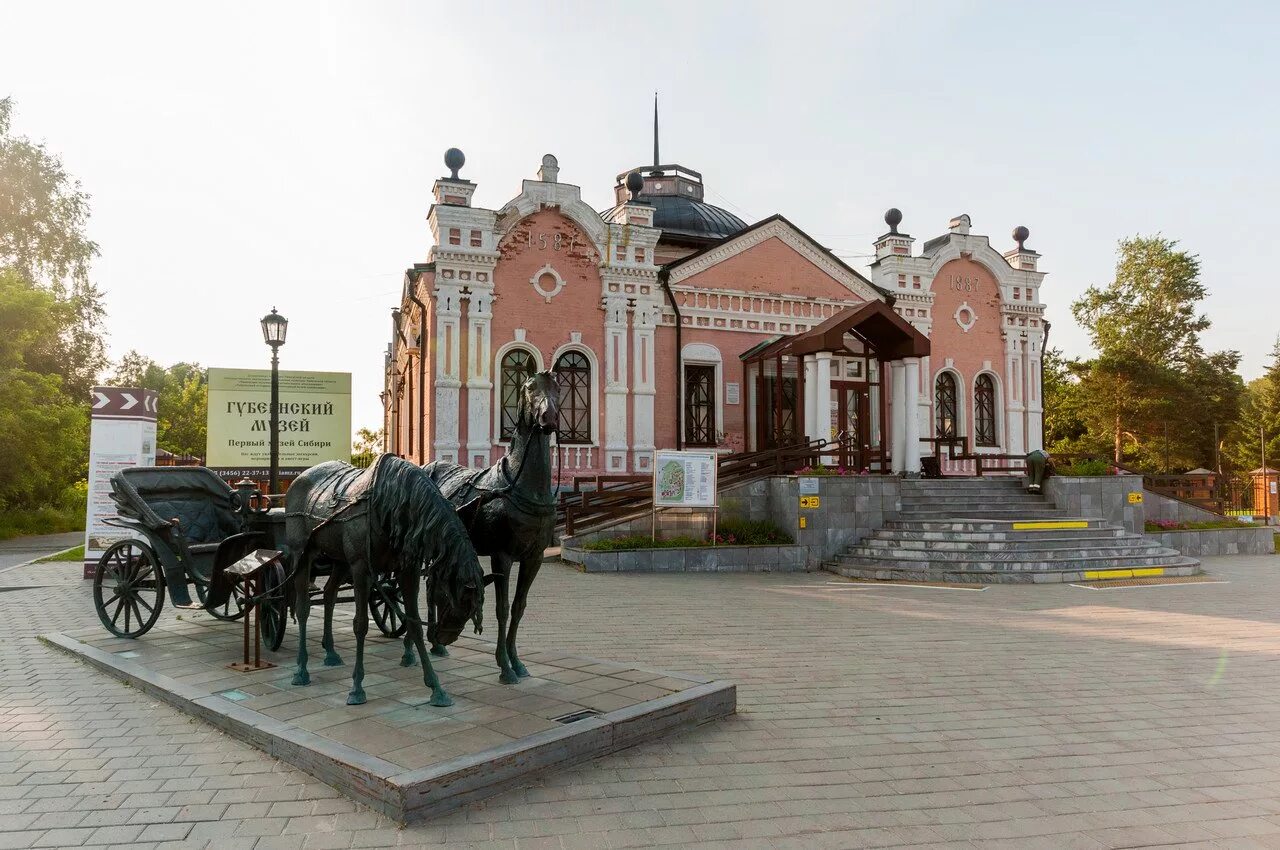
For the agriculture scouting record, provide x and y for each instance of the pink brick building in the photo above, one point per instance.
(672, 323)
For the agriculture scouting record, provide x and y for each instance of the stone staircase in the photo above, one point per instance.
(992, 530)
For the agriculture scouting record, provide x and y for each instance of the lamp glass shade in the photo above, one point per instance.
(274, 328)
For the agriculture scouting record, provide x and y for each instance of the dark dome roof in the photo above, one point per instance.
(676, 215)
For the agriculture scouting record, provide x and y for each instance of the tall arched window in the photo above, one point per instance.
(517, 366)
(946, 423)
(984, 411)
(573, 375)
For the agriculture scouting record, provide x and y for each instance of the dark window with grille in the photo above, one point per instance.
(984, 411)
(944, 406)
(517, 367)
(573, 376)
(700, 405)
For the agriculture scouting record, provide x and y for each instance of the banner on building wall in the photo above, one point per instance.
(684, 479)
(122, 433)
(315, 421)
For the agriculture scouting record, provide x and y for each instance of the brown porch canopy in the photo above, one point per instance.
(776, 370)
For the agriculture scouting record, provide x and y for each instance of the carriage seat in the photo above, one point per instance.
(203, 523)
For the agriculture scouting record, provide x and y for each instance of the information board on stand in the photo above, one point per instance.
(684, 479)
(122, 433)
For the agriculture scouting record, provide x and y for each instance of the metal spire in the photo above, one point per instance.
(656, 161)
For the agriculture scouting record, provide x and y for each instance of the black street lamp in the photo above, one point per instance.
(274, 329)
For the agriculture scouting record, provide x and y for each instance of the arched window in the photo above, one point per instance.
(573, 375)
(517, 366)
(946, 423)
(984, 411)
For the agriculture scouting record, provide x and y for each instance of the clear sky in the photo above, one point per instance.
(247, 155)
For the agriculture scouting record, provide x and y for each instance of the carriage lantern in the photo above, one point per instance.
(274, 329)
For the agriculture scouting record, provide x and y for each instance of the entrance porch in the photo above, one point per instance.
(853, 380)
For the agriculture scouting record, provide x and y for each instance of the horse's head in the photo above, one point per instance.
(540, 402)
(457, 600)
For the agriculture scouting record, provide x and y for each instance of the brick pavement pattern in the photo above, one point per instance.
(869, 716)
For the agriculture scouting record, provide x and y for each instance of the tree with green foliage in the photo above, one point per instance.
(43, 216)
(1152, 393)
(182, 402)
(45, 449)
(1258, 422)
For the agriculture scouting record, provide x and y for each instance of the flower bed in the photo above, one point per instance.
(729, 533)
(1159, 525)
(739, 546)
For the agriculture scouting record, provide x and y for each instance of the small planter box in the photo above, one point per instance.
(1200, 542)
(695, 559)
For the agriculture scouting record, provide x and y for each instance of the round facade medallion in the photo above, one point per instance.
(965, 317)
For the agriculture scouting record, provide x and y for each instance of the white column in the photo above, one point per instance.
(822, 389)
(615, 385)
(479, 379)
(911, 401)
(644, 320)
(1035, 400)
(1014, 406)
(897, 415)
(811, 397)
(444, 414)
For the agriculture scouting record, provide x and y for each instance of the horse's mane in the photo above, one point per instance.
(421, 525)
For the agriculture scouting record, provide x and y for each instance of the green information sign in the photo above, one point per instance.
(315, 420)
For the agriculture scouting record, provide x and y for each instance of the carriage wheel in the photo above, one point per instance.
(387, 607)
(274, 608)
(232, 609)
(128, 589)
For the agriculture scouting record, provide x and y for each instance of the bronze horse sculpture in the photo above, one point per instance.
(389, 520)
(510, 510)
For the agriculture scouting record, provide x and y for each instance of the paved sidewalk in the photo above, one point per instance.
(19, 550)
(1019, 717)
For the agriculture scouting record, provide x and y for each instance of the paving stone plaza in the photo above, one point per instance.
(868, 716)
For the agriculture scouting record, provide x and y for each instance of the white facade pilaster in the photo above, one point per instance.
(1014, 408)
(615, 384)
(897, 415)
(479, 377)
(643, 322)
(448, 372)
(1035, 399)
(911, 404)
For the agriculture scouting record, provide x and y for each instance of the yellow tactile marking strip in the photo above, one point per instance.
(1149, 582)
(1137, 572)
(1050, 524)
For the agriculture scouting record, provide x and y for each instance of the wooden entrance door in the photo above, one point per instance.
(850, 421)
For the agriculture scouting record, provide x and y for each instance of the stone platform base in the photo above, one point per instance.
(397, 754)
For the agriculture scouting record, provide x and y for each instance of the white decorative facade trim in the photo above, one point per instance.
(965, 317)
(536, 280)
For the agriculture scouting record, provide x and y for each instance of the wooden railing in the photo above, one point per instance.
(615, 497)
(982, 462)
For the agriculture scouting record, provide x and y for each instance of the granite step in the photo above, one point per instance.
(1085, 559)
(1081, 535)
(1011, 514)
(977, 524)
(1180, 566)
(1017, 544)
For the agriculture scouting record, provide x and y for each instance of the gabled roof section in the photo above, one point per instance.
(875, 323)
(779, 226)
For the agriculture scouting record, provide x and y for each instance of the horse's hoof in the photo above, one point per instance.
(333, 659)
(509, 677)
(440, 699)
(521, 670)
(356, 698)
(407, 660)
(439, 651)
(301, 678)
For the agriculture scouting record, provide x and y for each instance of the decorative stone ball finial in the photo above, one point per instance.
(453, 160)
(635, 184)
(1021, 235)
(893, 217)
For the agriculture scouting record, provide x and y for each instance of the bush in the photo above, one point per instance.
(729, 532)
(1158, 525)
(1092, 466)
(67, 515)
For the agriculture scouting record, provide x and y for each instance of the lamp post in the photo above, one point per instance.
(274, 328)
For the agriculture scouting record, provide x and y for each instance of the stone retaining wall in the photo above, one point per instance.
(1199, 543)
(696, 559)
(1156, 507)
(1099, 496)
